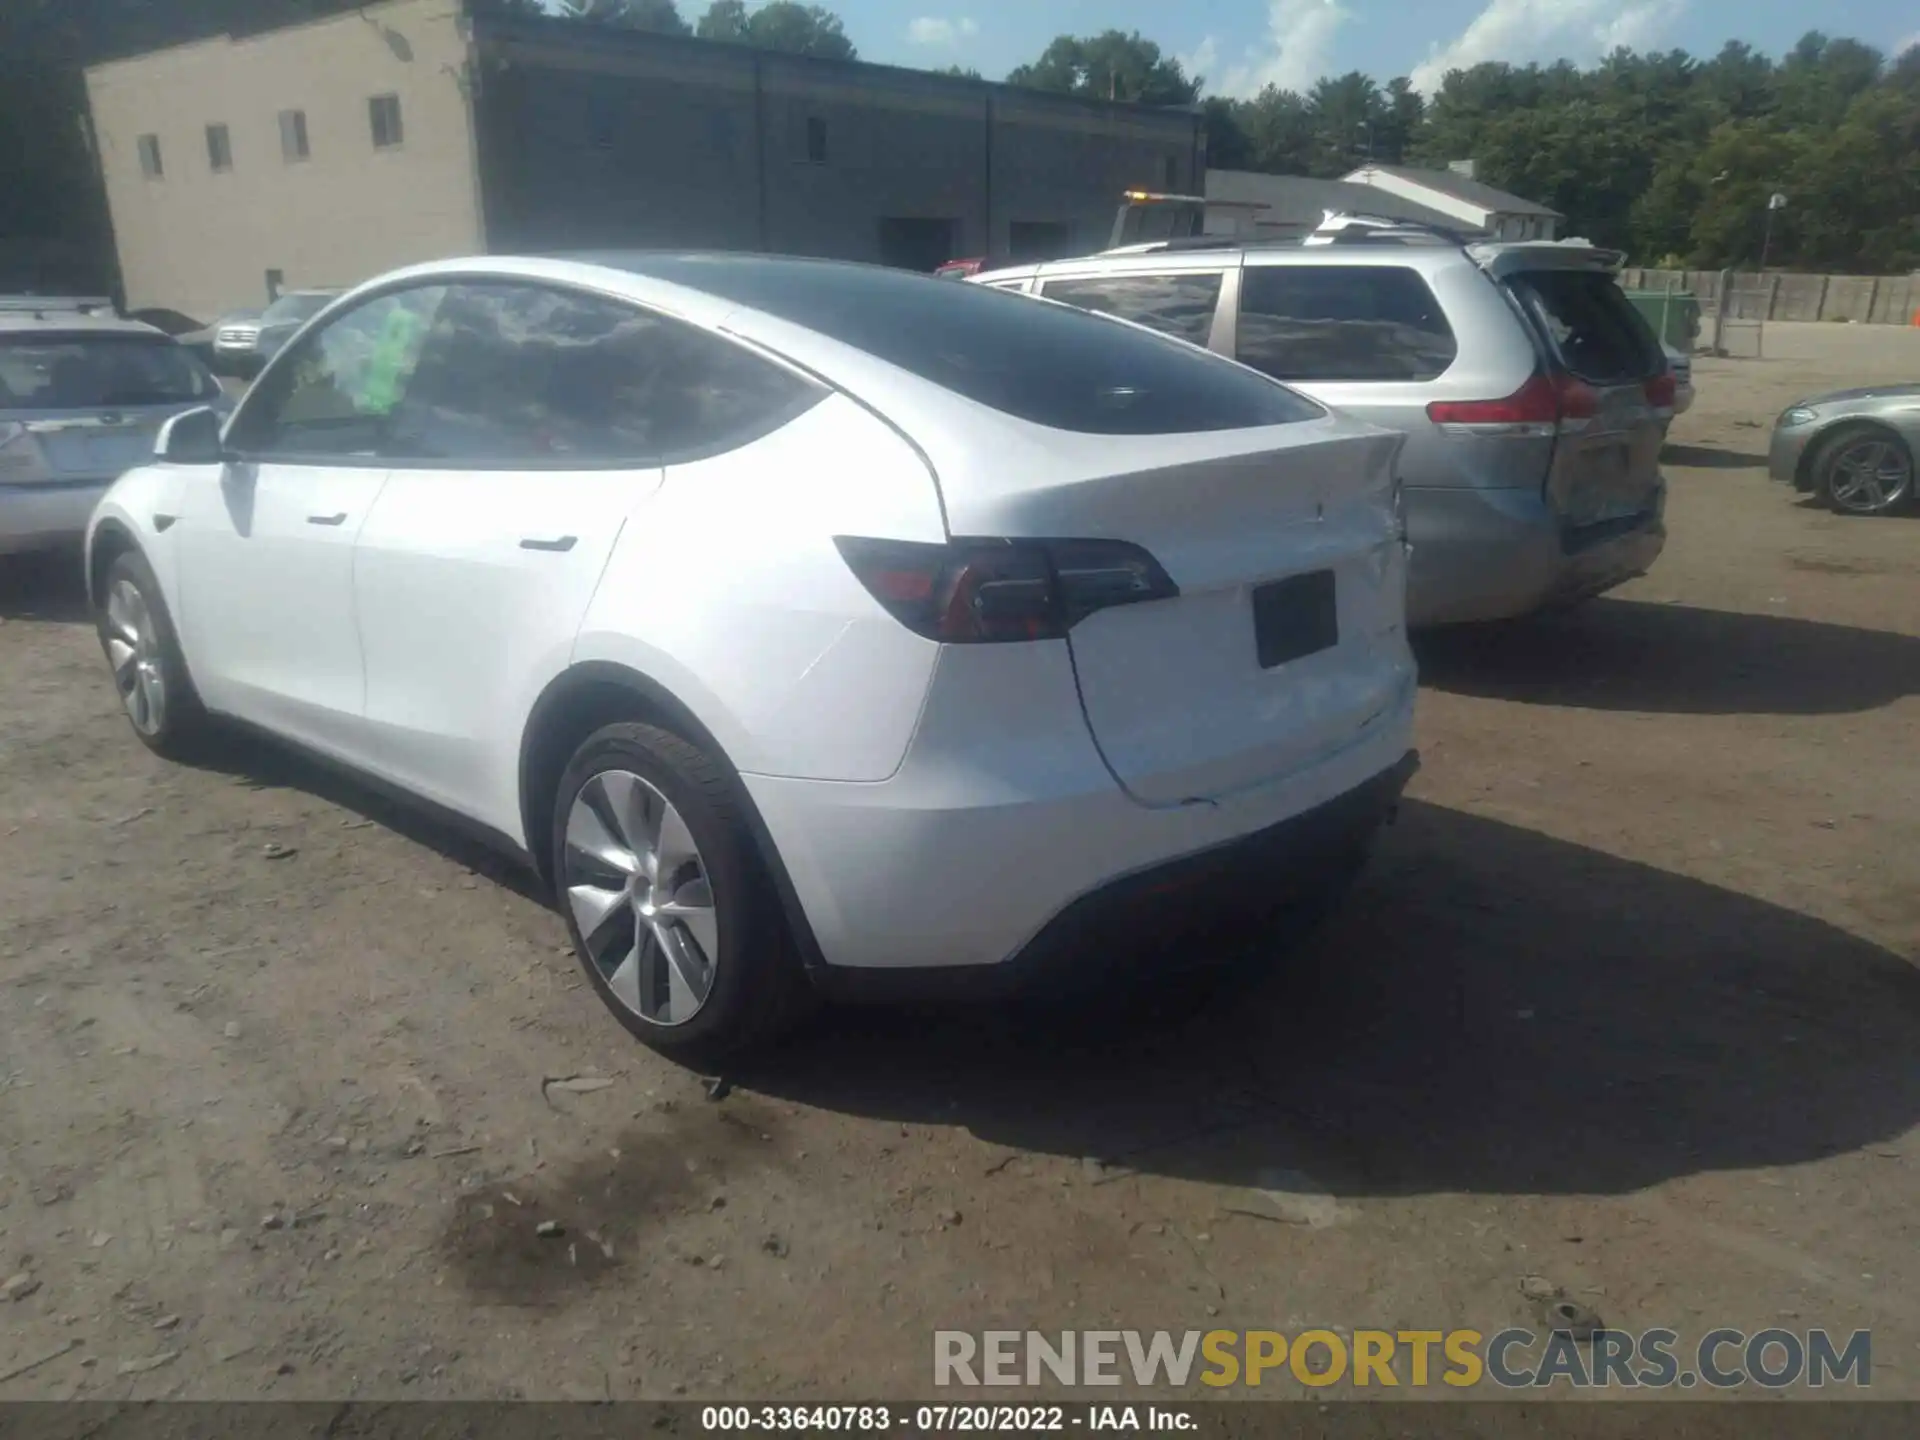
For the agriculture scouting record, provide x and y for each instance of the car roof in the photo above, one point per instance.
(1427, 254)
(54, 320)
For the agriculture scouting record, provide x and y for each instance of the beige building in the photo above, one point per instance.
(327, 152)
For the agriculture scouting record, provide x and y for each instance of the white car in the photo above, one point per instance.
(799, 621)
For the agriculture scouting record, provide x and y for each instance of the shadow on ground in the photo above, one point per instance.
(1710, 457)
(44, 585)
(1493, 1011)
(1674, 659)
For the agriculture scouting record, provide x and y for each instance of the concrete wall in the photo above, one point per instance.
(201, 242)
(647, 141)
(1779, 295)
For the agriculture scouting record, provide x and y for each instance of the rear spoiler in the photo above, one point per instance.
(1573, 254)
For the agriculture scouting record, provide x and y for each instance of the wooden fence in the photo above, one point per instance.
(1776, 295)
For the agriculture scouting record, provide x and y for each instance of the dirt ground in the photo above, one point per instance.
(1627, 1001)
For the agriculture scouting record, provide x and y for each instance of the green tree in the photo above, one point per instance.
(783, 25)
(724, 20)
(1280, 133)
(1113, 65)
(659, 16)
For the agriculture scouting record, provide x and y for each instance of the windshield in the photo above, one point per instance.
(295, 307)
(97, 372)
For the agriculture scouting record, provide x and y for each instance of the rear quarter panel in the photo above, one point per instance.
(727, 589)
(1496, 355)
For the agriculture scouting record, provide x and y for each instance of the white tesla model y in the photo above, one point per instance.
(805, 624)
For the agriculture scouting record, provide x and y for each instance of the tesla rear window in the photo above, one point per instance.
(95, 372)
(1049, 364)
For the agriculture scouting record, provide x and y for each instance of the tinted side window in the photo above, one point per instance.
(1179, 305)
(1600, 336)
(336, 394)
(518, 374)
(1342, 322)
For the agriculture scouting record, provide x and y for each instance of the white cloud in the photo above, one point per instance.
(930, 30)
(1296, 50)
(1900, 47)
(1521, 30)
(1199, 61)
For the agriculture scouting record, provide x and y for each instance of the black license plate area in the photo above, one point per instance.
(1295, 617)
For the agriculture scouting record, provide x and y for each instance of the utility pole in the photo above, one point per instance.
(1775, 201)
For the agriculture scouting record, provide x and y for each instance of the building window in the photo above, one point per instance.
(150, 157)
(219, 148)
(385, 113)
(816, 140)
(293, 135)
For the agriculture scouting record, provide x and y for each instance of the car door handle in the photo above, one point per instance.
(564, 542)
(339, 519)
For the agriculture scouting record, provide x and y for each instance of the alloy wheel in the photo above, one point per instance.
(1869, 476)
(133, 649)
(641, 897)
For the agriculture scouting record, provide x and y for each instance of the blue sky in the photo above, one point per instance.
(1240, 44)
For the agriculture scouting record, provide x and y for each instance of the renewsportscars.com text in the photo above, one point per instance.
(1511, 1359)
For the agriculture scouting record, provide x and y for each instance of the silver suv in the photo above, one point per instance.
(83, 391)
(1534, 398)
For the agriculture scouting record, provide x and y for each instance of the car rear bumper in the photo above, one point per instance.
(1785, 454)
(44, 517)
(970, 852)
(1494, 554)
(1175, 918)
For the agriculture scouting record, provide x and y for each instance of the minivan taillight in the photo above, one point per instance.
(977, 591)
(1660, 391)
(1537, 407)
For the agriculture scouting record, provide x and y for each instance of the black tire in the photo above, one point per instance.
(1835, 447)
(144, 659)
(758, 987)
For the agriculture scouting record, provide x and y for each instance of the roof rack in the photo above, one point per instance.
(1345, 227)
(1178, 242)
(43, 305)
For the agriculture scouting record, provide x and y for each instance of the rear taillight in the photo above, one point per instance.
(1536, 408)
(1660, 391)
(970, 592)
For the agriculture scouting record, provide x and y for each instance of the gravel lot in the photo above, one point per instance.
(1627, 1001)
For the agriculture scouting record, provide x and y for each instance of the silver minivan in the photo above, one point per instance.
(1534, 398)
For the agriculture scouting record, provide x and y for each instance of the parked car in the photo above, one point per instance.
(799, 621)
(1853, 448)
(82, 394)
(1681, 364)
(282, 320)
(234, 335)
(1534, 397)
(167, 322)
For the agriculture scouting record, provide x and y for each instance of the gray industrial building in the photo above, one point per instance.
(325, 152)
